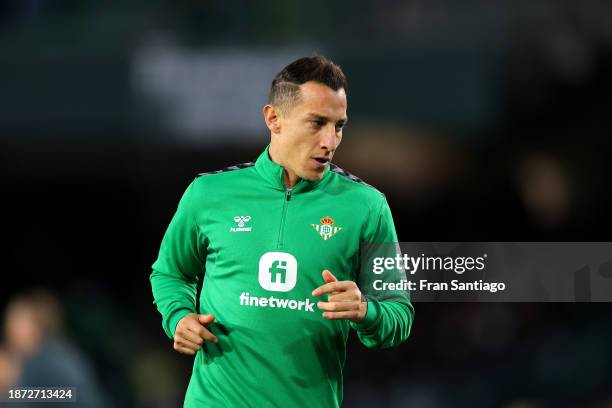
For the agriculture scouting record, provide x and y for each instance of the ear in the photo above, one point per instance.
(272, 118)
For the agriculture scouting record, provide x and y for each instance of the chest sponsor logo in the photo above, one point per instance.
(277, 271)
(241, 223)
(326, 228)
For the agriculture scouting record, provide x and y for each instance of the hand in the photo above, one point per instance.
(191, 333)
(344, 301)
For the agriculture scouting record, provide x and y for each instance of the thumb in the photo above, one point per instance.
(329, 277)
(206, 318)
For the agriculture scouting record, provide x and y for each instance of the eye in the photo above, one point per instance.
(317, 122)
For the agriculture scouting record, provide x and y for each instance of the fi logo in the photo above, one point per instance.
(277, 271)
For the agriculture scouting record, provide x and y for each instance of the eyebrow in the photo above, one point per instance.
(325, 118)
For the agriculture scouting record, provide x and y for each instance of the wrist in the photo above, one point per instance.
(176, 317)
(362, 312)
(371, 317)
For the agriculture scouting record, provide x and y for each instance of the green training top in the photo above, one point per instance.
(263, 248)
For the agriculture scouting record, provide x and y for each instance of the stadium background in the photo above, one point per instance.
(481, 121)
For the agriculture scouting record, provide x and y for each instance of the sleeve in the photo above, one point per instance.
(389, 313)
(179, 266)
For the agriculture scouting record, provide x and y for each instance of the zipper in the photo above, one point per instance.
(281, 230)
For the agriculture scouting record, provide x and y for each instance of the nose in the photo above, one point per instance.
(329, 138)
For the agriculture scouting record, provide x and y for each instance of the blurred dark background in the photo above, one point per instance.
(480, 120)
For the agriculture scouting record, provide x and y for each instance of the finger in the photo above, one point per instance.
(184, 350)
(329, 277)
(183, 342)
(189, 325)
(347, 315)
(347, 296)
(192, 337)
(338, 306)
(204, 333)
(339, 286)
(206, 318)
(186, 321)
(194, 326)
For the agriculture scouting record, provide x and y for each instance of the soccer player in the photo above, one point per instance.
(278, 244)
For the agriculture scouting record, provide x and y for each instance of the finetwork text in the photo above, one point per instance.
(247, 300)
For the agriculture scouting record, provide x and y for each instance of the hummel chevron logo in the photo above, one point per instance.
(326, 229)
(241, 221)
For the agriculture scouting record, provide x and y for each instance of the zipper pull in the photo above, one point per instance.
(288, 195)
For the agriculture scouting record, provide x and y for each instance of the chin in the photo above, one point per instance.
(313, 176)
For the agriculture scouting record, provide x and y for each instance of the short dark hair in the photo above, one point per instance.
(285, 89)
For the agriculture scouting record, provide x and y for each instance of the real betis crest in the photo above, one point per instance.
(326, 229)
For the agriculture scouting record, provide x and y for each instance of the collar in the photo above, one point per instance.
(273, 174)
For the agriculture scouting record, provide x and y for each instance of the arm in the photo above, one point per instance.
(389, 314)
(179, 265)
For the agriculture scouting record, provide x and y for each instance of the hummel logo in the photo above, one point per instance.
(241, 221)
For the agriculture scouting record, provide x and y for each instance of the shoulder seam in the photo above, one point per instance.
(229, 168)
(339, 170)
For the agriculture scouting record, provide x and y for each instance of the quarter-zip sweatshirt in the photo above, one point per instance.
(261, 249)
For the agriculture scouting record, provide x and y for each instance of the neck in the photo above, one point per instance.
(289, 177)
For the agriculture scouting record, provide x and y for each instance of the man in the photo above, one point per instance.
(279, 240)
(40, 355)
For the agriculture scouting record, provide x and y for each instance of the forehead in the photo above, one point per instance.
(321, 99)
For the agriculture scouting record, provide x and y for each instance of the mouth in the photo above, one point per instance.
(320, 161)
